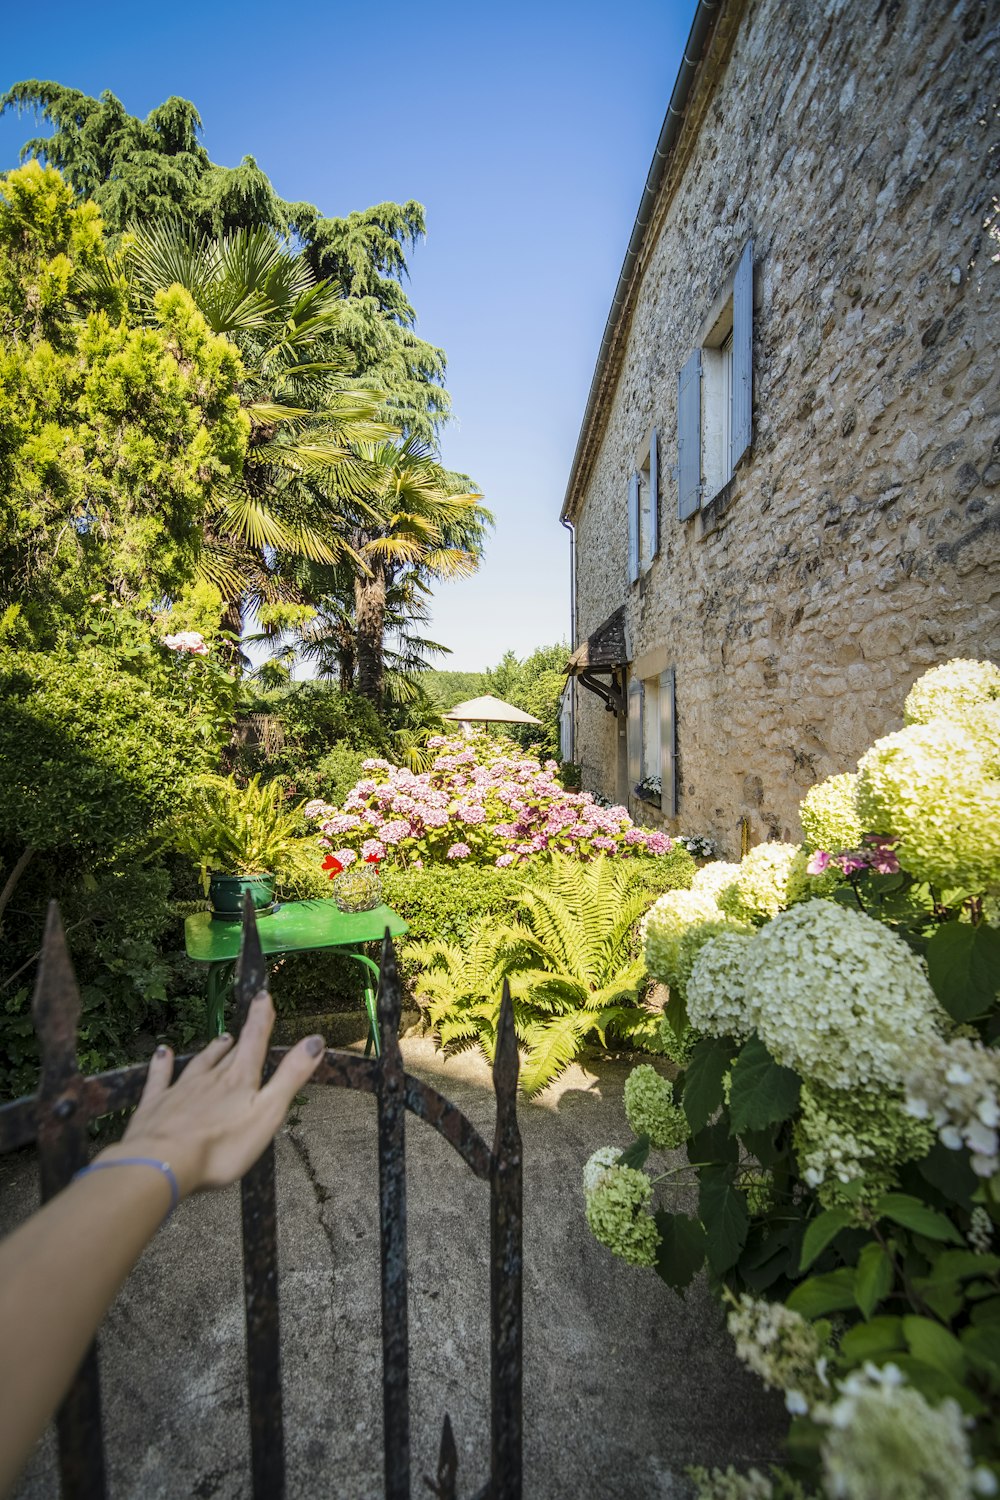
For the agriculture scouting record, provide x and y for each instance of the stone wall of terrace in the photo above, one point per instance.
(858, 542)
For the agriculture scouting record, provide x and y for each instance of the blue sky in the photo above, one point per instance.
(526, 130)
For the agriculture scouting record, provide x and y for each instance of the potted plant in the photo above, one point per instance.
(243, 839)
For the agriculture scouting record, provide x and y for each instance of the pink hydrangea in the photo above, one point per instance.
(372, 847)
(603, 842)
(435, 818)
(395, 831)
(503, 861)
(459, 851)
(341, 822)
(635, 836)
(659, 843)
(346, 856)
(314, 808)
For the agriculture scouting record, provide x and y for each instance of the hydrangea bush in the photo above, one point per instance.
(482, 800)
(842, 1107)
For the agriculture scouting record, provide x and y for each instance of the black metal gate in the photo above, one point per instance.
(57, 1120)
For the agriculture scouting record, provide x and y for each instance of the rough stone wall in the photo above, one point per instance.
(859, 541)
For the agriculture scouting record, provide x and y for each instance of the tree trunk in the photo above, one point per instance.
(369, 629)
(11, 883)
(232, 620)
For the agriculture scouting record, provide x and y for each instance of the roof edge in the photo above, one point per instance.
(695, 49)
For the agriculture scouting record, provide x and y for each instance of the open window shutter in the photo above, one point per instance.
(742, 415)
(689, 437)
(654, 498)
(634, 727)
(633, 528)
(668, 743)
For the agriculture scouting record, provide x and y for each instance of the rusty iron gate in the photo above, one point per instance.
(56, 1119)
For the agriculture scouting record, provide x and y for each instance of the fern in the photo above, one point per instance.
(569, 961)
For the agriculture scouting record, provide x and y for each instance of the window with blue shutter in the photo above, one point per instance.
(668, 743)
(654, 498)
(689, 437)
(633, 722)
(633, 528)
(742, 378)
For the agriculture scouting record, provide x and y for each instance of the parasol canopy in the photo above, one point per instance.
(488, 710)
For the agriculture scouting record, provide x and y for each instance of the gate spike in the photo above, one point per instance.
(251, 970)
(389, 1003)
(55, 1004)
(506, 1063)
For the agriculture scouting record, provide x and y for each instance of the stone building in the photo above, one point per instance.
(784, 496)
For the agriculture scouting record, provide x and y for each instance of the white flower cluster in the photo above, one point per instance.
(949, 690)
(980, 1235)
(617, 1210)
(650, 1109)
(843, 1135)
(712, 879)
(935, 789)
(769, 878)
(956, 1085)
(782, 1348)
(829, 815)
(886, 1442)
(728, 1484)
(716, 993)
(665, 924)
(838, 996)
(596, 1166)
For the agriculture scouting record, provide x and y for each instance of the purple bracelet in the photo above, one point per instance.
(138, 1161)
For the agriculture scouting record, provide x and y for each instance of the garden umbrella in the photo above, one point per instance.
(488, 710)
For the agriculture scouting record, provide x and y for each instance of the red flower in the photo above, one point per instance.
(371, 859)
(332, 865)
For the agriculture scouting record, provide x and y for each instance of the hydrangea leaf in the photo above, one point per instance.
(873, 1281)
(820, 1295)
(964, 967)
(703, 1077)
(821, 1232)
(912, 1214)
(982, 1350)
(883, 1335)
(935, 1345)
(723, 1211)
(635, 1155)
(762, 1092)
(713, 1144)
(937, 1385)
(682, 1249)
(950, 1173)
(770, 1253)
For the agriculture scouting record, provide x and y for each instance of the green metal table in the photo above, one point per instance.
(293, 927)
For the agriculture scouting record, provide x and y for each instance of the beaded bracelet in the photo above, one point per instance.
(138, 1161)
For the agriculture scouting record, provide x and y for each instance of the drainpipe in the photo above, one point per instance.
(572, 632)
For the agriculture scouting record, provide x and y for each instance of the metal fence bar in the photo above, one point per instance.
(62, 1150)
(391, 1100)
(506, 1268)
(258, 1204)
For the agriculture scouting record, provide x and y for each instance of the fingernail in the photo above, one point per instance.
(162, 1050)
(262, 995)
(314, 1045)
(225, 1036)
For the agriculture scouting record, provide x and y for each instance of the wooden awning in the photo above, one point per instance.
(602, 651)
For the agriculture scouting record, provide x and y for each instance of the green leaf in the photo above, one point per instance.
(912, 1214)
(869, 1340)
(703, 1077)
(821, 1231)
(874, 1278)
(635, 1155)
(951, 1264)
(682, 1249)
(769, 1254)
(820, 1295)
(936, 1384)
(713, 1144)
(987, 1314)
(723, 1211)
(982, 1349)
(761, 1092)
(964, 967)
(933, 1344)
(950, 1173)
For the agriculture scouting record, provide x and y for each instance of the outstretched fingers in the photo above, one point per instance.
(161, 1070)
(209, 1057)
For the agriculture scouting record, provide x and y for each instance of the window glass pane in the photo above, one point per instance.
(651, 728)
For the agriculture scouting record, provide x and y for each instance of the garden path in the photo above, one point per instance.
(625, 1382)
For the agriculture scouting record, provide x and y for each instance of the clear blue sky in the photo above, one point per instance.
(526, 130)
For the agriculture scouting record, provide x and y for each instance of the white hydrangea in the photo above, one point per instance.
(665, 924)
(947, 691)
(782, 1348)
(770, 877)
(838, 997)
(936, 790)
(729, 1484)
(617, 1210)
(956, 1085)
(885, 1441)
(650, 1109)
(713, 878)
(716, 992)
(596, 1166)
(829, 814)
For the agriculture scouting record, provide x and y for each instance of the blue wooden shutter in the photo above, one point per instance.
(668, 743)
(741, 424)
(654, 498)
(633, 528)
(689, 437)
(634, 726)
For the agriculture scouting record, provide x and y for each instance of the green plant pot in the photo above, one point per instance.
(226, 895)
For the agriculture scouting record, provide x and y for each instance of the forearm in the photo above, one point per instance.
(59, 1274)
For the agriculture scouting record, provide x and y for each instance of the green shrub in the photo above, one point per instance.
(443, 903)
(290, 732)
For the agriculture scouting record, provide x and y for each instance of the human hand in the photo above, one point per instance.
(214, 1122)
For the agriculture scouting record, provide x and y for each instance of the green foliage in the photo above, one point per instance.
(228, 829)
(309, 734)
(569, 960)
(445, 904)
(445, 688)
(534, 685)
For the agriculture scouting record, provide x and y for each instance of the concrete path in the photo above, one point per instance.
(625, 1382)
